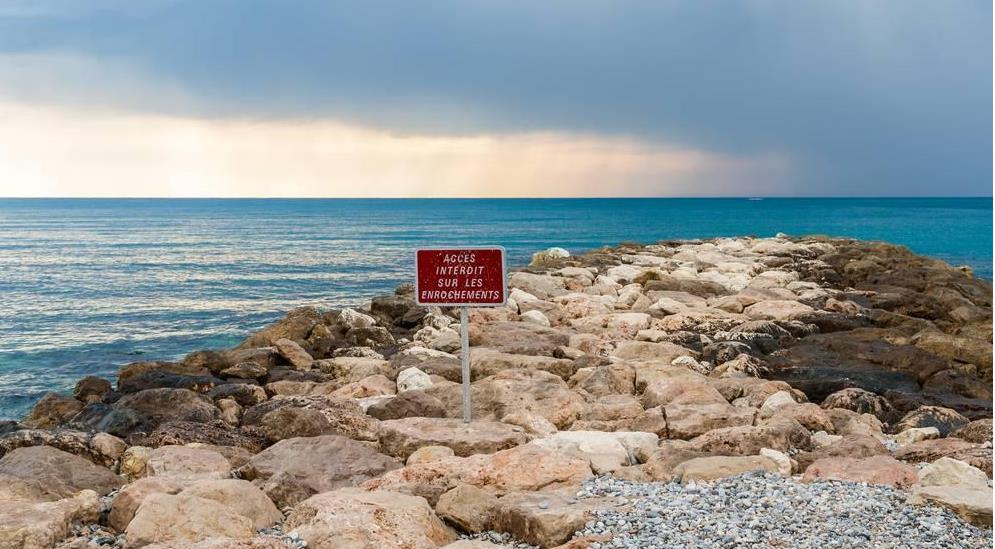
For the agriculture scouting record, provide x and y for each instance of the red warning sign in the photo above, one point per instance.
(458, 277)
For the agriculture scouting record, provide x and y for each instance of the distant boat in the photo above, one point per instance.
(754, 198)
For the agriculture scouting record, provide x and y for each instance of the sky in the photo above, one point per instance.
(495, 98)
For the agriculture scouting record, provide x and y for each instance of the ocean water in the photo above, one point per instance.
(89, 285)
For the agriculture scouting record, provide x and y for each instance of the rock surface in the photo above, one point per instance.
(725, 364)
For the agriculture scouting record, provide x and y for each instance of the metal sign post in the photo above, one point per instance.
(461, 277)
(464, 335)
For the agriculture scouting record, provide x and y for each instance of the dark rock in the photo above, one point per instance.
(104, 417)
(369, 336)
(135, 369)
(391, 310)
(245, 394)
(216, 433)
(344, 416)
(724, 351)
(296, 326)
(78, 443)
(408, 404)
(286, 374)
(157, 406)
(212, 361)
(862, 402)
(978, 431)
(828, 322)
(159, 379)
(51, 411)
(91, 389)
(944, 419)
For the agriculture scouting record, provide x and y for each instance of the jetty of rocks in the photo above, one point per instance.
(730, 392)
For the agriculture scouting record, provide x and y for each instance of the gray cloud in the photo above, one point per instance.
(877, 98)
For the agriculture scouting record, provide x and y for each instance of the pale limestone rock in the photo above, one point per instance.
(429, 453)
(468, 507)
(535, 317)
(127, 501)
(782, 460)
(294, 354)
(165, 518)
(716, 467)
(41, 525)
(605, 451)
(411, 379)
(351, 518)
(187, 463)
(948, 471)
(133, 462)
(915, 434)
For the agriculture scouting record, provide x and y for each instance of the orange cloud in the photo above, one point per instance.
(68, 151)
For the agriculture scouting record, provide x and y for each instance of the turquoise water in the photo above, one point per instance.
(88, 285)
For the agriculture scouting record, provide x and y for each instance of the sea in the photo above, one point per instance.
(87, 285)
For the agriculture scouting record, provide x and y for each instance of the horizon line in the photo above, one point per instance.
(650, 197)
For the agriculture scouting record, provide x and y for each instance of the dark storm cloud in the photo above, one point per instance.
(876, 98)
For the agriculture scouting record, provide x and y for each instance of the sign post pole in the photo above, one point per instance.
(464, 330)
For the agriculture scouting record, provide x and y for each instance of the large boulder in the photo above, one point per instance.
(351, 518)
(977, 455)
(41, 525)
(401, 437)
(179, 519)
(539, 285)
(239, 496)
(606, 452)
(776, 310)
(58, 474)
(91, 389)
(100, 448)
(783, 435)
(521, 338)
(546, 519)
(944, 419)
(860, 401)
(187, 463)
(979, 431)
(217, 433)
(512, 391)
(145, 410)
(849, 446)
(294, 354)
(715, 467)
(51, 411)
(523, 468)
(880, 469)
(414, 403)
(296, 326)
(130, 498)
(468, 508)
(486, 362)
(342, 416)
(293, 470)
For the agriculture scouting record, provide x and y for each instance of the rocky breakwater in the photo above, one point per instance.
(619, 398)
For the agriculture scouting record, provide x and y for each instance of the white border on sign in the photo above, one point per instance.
(504, 276)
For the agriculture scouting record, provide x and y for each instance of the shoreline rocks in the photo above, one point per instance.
(758, 369)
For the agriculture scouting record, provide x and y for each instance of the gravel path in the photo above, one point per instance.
(765, 510)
